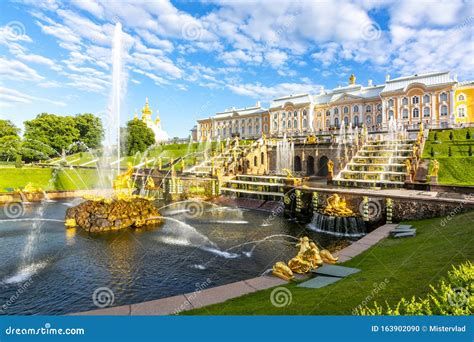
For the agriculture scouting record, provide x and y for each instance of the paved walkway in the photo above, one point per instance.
(219, 294)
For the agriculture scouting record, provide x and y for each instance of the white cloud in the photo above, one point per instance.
(276, 58)
(16, 70)
(90, 6)
(12, 96)
(266, 93)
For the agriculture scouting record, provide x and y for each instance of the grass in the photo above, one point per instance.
(405, 266)
(456, 169)
(67, 179)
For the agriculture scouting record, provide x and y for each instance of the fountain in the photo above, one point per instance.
(285, 154)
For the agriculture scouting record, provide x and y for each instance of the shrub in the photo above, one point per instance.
(454, 295)
(450, 153)
(432, 152)
(451, 135)
(435, 136)
(468, 135)
(470, 151)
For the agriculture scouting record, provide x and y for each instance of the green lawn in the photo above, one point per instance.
(67, 179)
(406, 267)
(457, 169)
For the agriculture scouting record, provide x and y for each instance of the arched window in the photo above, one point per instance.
(461, 97)
(444, 110)
(356, 109)
(415, 100)
(328, 113)
(295, 114)
(346, 110)
(262, 158)
(379, 107)
(255, 161)
(346, 121)
(443, 97)
(336, 122)
(295, 123)
(390, 103)
(405, 101)
(369, 120)
(426, 98)
(462, 112)
(356, 121)
(390, 114)
(379, 119)
(336, 110)
(405, 113)
(283, 124)
(289, 123)
(305, 124)
(304, 112)
(368, 108)
(416, 113)
(283, 115)
(426, 112)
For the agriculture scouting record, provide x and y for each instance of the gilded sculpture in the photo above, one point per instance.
(311, 139)
(124, 180)
(434, 171)
(337, 206)
(330, 167)
(309, 257)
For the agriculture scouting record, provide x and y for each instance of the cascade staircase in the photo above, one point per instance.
(377, 164)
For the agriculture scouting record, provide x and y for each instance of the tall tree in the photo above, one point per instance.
(10, 142)
(138, 137)
(91, 131)
(47, 135)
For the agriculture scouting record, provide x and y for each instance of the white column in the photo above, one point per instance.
(434, 112)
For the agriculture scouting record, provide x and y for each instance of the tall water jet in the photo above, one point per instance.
(116, 95)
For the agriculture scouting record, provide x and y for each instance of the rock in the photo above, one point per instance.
(102, 216)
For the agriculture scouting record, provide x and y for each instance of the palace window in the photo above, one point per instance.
(356, 109)
(379, 107)
(295, 114)
(369, 120)
(390, 103)
(336, 122)
(415, 100)
(243, 130)
(379, 119)
(405, 113)
(461, 97)
(346, 110)
(405, 101)
(426, 112)
(319, 114)
(336, 110)
(283, 115)
(257, 128)
(328, 113)
(356, 121)
(416, 113)
(304, 112)
(346, 121)
(275, 116)
(443, 97)
(368, 108)
(304, 123)
(426, 98)
(289, 123)
(283, 124)
(390, 114)
(328, 123)
(461, 112)
(444, 110)
(250, 129)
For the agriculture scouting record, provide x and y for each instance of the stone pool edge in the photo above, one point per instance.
(198, 299)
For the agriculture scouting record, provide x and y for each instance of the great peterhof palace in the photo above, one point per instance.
(435, 99)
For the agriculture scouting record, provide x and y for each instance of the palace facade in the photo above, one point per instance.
(434, 99)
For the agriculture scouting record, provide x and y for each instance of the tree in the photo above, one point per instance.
(91, 131)
(10, 142)
(468, 135)
(451, 135)
(436, 136)
(470, 151)
(47, 135)
(138, 137)
(432, 152)
(450, 153)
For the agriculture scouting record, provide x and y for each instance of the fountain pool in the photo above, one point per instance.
(66, 266)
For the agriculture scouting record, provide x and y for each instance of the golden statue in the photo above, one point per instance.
(408, 165)
(352, 79)
(311, 139)
(309, 257)
(336, 206)
(30, 188)
(434, 171)
(330, 167)
(289, 174)
(150, 183)
(281, 270)
(124, 180)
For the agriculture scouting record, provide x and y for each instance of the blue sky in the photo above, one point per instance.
(193, 59)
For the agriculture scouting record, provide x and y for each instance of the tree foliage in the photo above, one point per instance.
(10, 142)
(91, 131)
(138, 137)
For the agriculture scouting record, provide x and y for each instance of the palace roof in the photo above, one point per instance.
(428, 79)
(296, 99)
